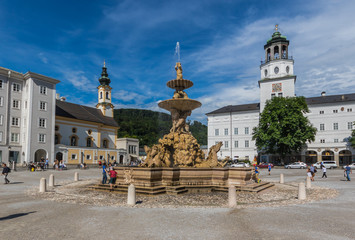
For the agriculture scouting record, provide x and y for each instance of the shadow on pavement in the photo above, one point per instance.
(15, 216)
(15, 182)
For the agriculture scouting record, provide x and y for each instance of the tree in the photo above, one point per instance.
(283, 128)
(352, 139)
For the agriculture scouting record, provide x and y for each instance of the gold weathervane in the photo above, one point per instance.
(276, 27)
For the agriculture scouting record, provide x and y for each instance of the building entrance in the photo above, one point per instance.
(345, 157)
(328, 155)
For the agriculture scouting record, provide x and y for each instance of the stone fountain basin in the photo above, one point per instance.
(179, 84)
(180, 104)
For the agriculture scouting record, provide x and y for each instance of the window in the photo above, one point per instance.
(73, 130)
(335, 126)
(56, 139)
(89, 131)
(225, 144)
(41, 138)
(279, 94)
(216, 132)
(321, 127)
(101, 157)
(335, 111)
(100, 95)
(322, 141)
(235, 131)
(15, 137)
(321, 112)
(73, 141)
(1, 119)
(235, 144)
(112, 158)
(1, 101)
(42, 106)
(15, 121)
(0, 136)
(336, 140)
(246, 143)
(107, 96)
(0, 83)
(132, 149)
(42, 122)
(349, 110)
(272, 95)
(350, 125)
(246, 130)
(105, 143)
(73, 156)
(56, 128)
(226, 131)
(43, 90)
(88, 142)
(16, 104)
(16, 87)
(88, 157)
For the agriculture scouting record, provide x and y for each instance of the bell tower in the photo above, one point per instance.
(277, 78)
(104, 94)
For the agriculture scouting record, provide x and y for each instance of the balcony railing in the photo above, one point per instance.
(276, 58)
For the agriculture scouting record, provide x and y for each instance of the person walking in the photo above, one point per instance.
(269, 168)
(313, 171)
(104, 174)
(46, 164)
(309, 173)
(257, 179)
(5, 171)
(324, 170)
(348, 170)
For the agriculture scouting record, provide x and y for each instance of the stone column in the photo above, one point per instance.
(131, 197)
(308, 183)
(336, 157)
(42, 185)
(282, 178)
(301, 191)
(232, 196)
(51, 180)
(76, 176)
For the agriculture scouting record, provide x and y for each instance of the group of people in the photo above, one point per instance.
(111, 172)
(311, 172)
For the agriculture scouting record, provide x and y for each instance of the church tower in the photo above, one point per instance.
(277, 79)
(104, 94)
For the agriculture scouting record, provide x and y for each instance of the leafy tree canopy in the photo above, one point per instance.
(148, 126)
(352, 139)
(283, 128)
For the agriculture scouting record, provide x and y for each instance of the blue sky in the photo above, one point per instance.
(221, 47)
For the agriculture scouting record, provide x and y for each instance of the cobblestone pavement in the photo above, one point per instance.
(26, 217)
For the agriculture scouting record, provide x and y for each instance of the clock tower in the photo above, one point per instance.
(104, 94)
(277, 79)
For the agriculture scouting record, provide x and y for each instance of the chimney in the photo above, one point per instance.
(57, 96)
(322, 94)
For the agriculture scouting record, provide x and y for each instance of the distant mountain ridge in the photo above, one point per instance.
(148, 126)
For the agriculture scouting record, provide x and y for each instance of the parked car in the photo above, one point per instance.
(265, 165)
(352, 166)
(327, 164)
(240, 165)
(296, 165)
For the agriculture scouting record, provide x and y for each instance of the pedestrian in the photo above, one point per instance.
(113, 176)
(313, 171)
(269, 168)
(309, 173)
(110, 167)
(47, 163)
(324, 169)
(348, 170)
(5, 171)
(104, 174)
(257, 179)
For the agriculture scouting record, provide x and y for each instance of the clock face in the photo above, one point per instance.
(277, 87)
(276, 70)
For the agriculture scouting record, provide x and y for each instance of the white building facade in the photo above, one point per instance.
(27, 116)
(333, 116)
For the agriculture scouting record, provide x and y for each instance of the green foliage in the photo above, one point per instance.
(283, 128)
(148, 126)
(352, 139)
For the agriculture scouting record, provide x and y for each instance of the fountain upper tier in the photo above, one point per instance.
(179, 84)
(180, 104)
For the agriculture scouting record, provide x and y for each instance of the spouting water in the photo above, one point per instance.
(177, 51)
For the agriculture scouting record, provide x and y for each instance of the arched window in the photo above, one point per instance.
(89, 142)
(100, 95)
(276, 52)
(107, 95)
(73, 141)
(283, 52)
(268, 55)
(105, 143)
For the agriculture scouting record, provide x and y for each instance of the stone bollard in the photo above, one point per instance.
(42, 185)
(131, 198)
(51, 180)
(232, 196)
(308, 183)
(76, 176)
(282, 180)
(301, 191)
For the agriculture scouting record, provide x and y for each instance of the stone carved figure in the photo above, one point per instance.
(128, 176)
(179, 120)
(178, 69)
(180, 94)
(212, 159)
